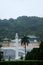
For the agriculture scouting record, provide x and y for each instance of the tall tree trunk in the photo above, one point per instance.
(25, 49)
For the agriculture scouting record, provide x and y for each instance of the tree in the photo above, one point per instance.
(21, 58)
(1, 53)
(25, 41)
(41, 45)
(41, 51)
(22, 25)
(36, 53)
(33, 55)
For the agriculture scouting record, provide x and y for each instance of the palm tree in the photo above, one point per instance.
(25, 41)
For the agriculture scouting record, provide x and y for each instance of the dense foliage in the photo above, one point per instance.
(1, 53)
(22, 25)
(36, 53)
(29, 62)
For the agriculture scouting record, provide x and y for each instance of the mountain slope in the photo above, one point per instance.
(21, 25)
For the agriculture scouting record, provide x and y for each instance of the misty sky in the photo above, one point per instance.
(15, 8)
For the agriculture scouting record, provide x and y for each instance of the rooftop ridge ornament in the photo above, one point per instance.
(16, 37)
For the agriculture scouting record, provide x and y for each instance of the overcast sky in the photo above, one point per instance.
(15, 8)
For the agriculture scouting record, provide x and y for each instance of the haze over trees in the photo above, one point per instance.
(22, 25)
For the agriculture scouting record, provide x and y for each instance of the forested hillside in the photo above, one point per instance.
(21, 25)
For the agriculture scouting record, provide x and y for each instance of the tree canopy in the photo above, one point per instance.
(36, 53)
(22, 25)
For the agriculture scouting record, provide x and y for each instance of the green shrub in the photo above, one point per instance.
(26, 62)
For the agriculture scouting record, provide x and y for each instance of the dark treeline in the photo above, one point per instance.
(22, 25)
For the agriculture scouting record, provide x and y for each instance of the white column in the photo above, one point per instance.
(16, 42)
